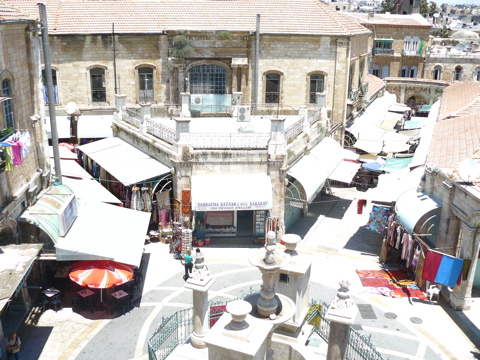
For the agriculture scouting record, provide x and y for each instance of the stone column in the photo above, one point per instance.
(277, 162)
(234, 79)
(200, 282)
(145, 114)
(243, 81)
(341, 314)
(402, 94)
(185, 112)
(461, 296)
(120, 101)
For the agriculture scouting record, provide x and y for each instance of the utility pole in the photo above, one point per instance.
(51, 98)
(114, 57)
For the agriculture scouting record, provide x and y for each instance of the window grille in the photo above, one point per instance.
(207, 79)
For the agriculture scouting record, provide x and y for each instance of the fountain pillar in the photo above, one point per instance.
(293, 281)
(341, 314)
(200, 282)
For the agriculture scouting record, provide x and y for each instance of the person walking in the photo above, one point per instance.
(13, 346)
(188, 263)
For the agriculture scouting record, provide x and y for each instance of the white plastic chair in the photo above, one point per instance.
(434, 290)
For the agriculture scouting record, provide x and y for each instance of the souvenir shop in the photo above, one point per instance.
(227, 205)
(139, 181)
(410, 240)
(14, 149)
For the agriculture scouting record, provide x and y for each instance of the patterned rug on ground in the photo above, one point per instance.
(392, 283)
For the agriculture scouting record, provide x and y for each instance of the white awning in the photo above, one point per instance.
(314, 169)
(123, 161)
(63, 127)
(71, 168)
(400, 108)
(64, 153)
(94, 126)
(375, 140)
(390, 120)
(91, 190)
(105, 232)
(345, 171)
(412, 206)
(220, 192)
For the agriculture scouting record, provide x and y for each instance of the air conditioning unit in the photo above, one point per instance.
(243, 113)
(196, 99)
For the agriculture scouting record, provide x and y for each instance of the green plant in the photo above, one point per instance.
(224, 35)
(182, 49)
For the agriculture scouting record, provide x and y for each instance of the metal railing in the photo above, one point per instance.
(383, 52)
(132, 117)
(359, 347)
(273, 110)
(230, 141)
(314, 116)
(161, 131)
(293, 130)
(409, 52)
(177, 329)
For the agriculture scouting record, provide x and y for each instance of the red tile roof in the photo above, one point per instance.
(375, 84)
(295, 17)
(9, 13)
(457, 133)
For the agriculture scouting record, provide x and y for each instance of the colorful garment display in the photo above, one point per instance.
(378, 219)
(14, 149)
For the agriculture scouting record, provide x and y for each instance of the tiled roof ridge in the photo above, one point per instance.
(460, 112)
(325, 6)
(19, 14)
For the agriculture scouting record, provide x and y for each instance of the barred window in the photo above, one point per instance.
(207, 79)
(272, 89)
(7, 103)
(97, 82)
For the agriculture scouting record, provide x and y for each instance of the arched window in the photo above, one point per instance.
(457, 74)
(207, 79)
(413, 71)
(145, 85)
(376, 70)
(272, 89)
(317, 82)
(55, 87)
(7, 103)
(476, 75)
(437, 73)
(404, 72)
(97, 84)
(385, 71)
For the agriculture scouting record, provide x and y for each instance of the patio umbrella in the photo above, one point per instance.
(100, 274)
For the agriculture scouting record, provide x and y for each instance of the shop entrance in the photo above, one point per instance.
(244, 223)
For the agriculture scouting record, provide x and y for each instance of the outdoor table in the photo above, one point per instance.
(51, 292)
(85, 293)
(119, 294)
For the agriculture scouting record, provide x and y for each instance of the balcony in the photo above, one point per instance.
(416, 52)
(383, 52)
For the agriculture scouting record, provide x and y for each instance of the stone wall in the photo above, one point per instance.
(469, 64)
(16, 66)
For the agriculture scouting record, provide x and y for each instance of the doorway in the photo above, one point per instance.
(244, 223)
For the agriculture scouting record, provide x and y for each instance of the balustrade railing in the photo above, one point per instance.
(383, 52)
(165, 111)
(132, 117)
(293, 130)
(229, 141)
(161, 131)
(314, 116)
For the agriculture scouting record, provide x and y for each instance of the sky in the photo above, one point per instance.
(454, 2)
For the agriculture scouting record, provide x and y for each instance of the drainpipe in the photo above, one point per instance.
(257, 63)
(51, 101)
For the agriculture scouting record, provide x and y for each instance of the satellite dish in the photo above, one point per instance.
(468, 170)
(71, 108)
(436, 15)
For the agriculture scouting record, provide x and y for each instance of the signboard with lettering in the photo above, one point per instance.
(233, 205)
(296, 204)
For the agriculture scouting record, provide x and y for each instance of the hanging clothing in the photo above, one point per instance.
(9, 159)
(17, 153)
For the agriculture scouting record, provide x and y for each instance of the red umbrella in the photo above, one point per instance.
(101, 274)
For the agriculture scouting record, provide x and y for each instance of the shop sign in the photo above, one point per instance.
(296, 204)
(233, 205)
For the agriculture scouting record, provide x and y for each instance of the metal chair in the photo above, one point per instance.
(45, 304)
(57, 304)
(76, 303)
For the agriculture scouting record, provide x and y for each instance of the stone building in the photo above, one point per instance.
(397, 45)
(454, 182)
(456, 58)
(22, 180)
(302, 73)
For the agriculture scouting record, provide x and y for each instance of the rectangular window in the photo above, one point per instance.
(97, 82)
(55, 87)
(145, 80)
(272, 89)
(7, 103)
(316, 86)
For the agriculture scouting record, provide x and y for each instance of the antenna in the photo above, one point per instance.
(468, 170)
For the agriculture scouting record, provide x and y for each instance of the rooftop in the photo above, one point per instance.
(10, 14)
(390, 19)
(293, 17)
